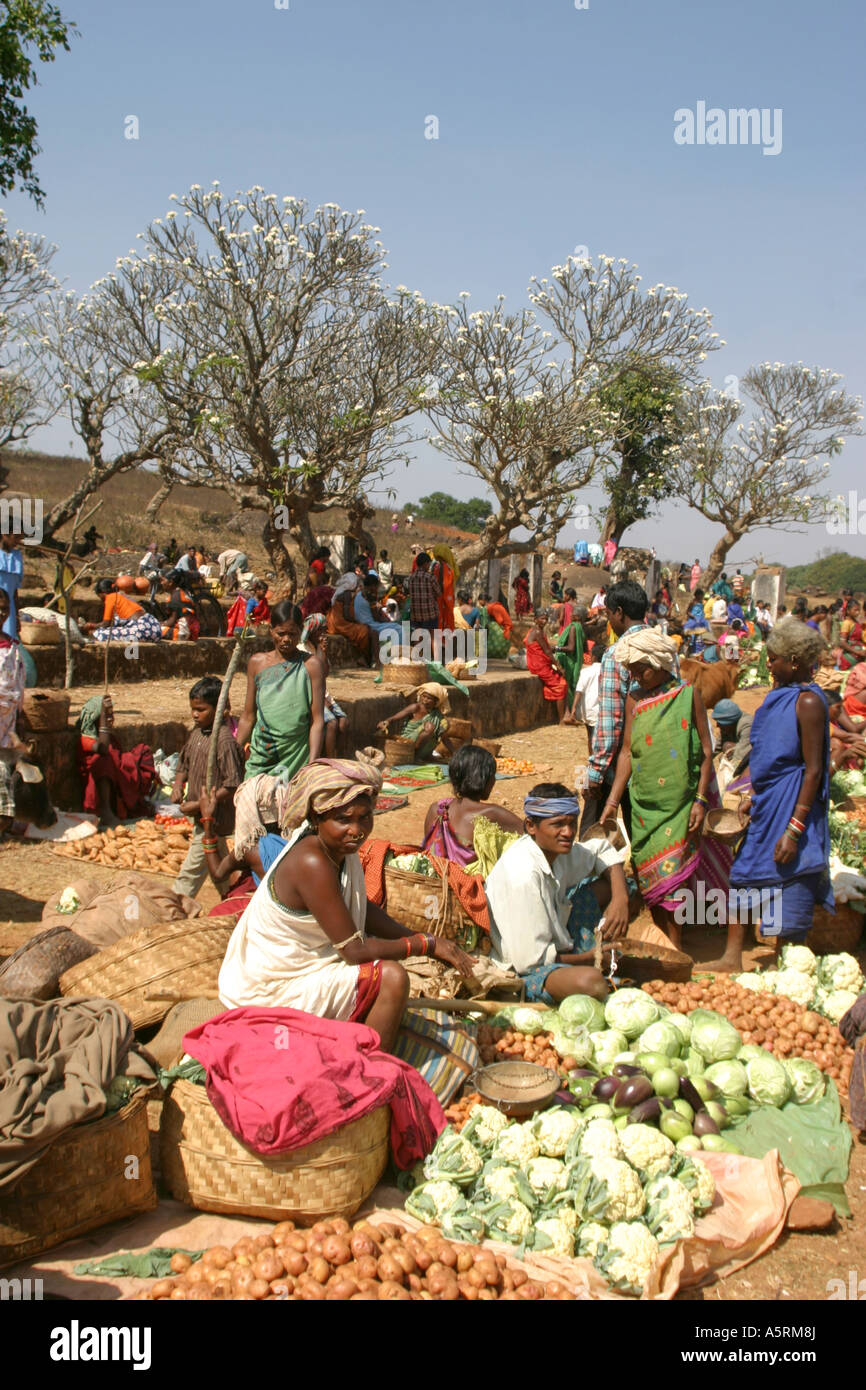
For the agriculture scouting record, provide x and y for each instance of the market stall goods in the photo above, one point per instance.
(829, 984)
(150, 846)
(336, 1262)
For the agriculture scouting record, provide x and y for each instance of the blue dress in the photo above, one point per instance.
(270, 847)
(11, 569)
(776, 772)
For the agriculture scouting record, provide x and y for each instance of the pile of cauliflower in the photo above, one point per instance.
(827, 984)
(564, 1185)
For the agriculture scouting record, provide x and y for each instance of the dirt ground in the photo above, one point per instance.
(799, 1266)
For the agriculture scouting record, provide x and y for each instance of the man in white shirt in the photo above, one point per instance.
(187, 561)
(585, 707)
(533, 895)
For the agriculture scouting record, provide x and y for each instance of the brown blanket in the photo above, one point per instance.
(111, 910)
(56, 1060)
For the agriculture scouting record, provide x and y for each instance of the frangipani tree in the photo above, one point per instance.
(263, 329)
(767, 469)
(25, 281)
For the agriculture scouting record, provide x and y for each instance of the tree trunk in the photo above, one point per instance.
(717, 559)
(162, 494)
(611, 526)
(283, 564)
(357, 513)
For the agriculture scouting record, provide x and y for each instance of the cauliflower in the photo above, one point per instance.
(837, 1004)
(516, 1144)
(600, 1139)
(483, 1126)
(68, 901)
(432, 1200)
(554, 1128)
(568, 1216)
(630, 1256)
(670, 1210)
(618, 1185)
(698, 1179)
(510, 1220)
(554, 1237)
(591, 1239)
(453, 1160)
(505, 1182)
(753, 981)
(840, 972)
(546, 1176)
(799, 958)
(794, 985)
(646, 1149)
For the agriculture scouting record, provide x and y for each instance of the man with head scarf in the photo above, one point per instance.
(734, 738)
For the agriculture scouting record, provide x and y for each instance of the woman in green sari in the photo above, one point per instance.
(283, 723)
(568, 654)
(666, 760)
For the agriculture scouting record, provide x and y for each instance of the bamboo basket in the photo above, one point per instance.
(204, 1165)
(181, 959)
(40, 634)
(835, 932)
(45, 710)
(81, 1182)
(399, 752)
(423, 903)
(404, 673)
(33, 971)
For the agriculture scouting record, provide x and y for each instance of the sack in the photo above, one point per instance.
(109, 911)
(441, 1048)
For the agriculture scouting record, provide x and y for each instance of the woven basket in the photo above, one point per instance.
(490, 744)
(33, 972)
(399, 751)
(404, 673)
(40, 634)
(82, 1182)
(180, 959)
(204, 1165)
(835, 932)
(45, 709)
(644, 960)
(423, 903)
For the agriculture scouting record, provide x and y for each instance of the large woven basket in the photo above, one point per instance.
(86, 1179)
(204, 1165)
(45, 709)
(423, 903)
(835, 932)
(35, 968)
(147, 972)
(40, 634)
(399, 751)
(404, 673)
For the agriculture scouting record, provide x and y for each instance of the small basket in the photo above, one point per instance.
(423, 903)
(40, 634)
(399, 752)
(206, 1167)
(518, 1089)
(606, 830)
(178, 959)
(404, 673)
(83, 1181)
(835, 932)
(45, 710)
(724, 825)
(34, 970)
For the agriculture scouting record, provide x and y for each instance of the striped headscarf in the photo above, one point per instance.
(329, 783)
(258, 803)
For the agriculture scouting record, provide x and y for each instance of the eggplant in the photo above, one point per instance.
(606, 1088)
(625, 1069)
(646, 1112)
(577, 1072)
(690, 1094)
(704, 1124)
(632, 1091)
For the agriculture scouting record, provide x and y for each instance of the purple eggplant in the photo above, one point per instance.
(624, 1069)
(577, 1072)
(689, 1094)
(633, 1091)
(704, 1124)
(605, 1089)
(647, 1111)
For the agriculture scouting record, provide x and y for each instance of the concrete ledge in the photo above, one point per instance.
(147, 661)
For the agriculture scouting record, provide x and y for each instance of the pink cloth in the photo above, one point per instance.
(443, 840)
(275, 1098)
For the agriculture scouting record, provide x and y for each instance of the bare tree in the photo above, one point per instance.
(767, 469)
(25, 280)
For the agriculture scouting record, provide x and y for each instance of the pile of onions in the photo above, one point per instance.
(769, 1020)
(335, 1262)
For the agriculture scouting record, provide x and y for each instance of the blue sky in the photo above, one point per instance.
(555, 131)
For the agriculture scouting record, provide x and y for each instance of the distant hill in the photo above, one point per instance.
(830, 574)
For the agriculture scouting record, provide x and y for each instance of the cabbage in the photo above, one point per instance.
(631, 1011)
(606, 1044)
(750, 1051)
(714, 1037)
(730, 1077)
(577, 1045)
(661, 1037)
(695, 1064)
(529, 1020)
(583, 1010)
(769, 1083)
(682, 1022)
(807, 1079)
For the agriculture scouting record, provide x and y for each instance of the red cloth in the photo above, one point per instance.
(317, 601)
(131, 774)
(277, 1098)
(540, 664)
(236, 899)
(469, 888)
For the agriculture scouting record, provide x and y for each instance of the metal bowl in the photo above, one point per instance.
(518, 1089)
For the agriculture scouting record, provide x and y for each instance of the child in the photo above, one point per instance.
(192, 769)
(585, 705)
(425, 724)
(314, 639)
(254, 608)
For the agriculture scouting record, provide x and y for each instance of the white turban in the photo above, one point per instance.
(647, 646)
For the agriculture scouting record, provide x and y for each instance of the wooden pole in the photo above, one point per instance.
(223, 700)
